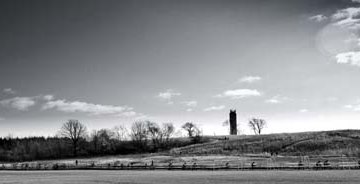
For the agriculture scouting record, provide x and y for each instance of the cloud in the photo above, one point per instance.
(48, 102)
(168, 95)
(347, 18)
(341, 37)
(192, 103)
(353, 107)
(129, 114)
(272, 101)
(303, 110)
(1, 118)
(352, 58)
(20, 103)
(276, 99)
(189, 110)
(9, 91)
(48, 97)
(84, 107)
(214, 108)
(250, 79)
(318, 18)
(239, 93)
(346, 13)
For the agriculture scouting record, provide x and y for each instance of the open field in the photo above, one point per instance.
(198, 177)
(339, 149)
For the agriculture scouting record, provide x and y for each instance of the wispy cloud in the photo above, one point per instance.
(19, 103)
(239, 93)
(215, 108)
(249, 79)
(318, 18)
(353, 107)
(276, 99)
(347, 17)
(303, 110)
(9, 91)
(168, 95)
(84, 107)
(191, 103)
(48, 97)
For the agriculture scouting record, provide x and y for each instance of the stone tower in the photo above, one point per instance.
(233, 124)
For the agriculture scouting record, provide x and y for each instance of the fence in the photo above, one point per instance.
(182, 166)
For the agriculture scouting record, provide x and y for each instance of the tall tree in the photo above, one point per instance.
(75, 131)
(190, 128)
(95, 140)
(168, 130)
(154, 133)
(102, 141)
(120, 132)
(139, 134)
(257, 125)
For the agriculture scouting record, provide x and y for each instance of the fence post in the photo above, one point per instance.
(194, 166)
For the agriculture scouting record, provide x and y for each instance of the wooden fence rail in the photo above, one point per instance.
(177, 166)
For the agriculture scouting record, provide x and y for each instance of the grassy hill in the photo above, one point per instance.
(339, 147)
(336, 143)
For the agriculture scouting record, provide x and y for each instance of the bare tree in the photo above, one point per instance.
(190, 128)
(154, 133)
(95, 140)
(75, 131)
(257, 125)
(168, 130)
(139, 134)
(120, 132)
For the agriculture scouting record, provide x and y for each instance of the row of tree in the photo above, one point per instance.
(144, 135)
(73, 140)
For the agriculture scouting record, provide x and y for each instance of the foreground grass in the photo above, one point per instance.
(198, 177)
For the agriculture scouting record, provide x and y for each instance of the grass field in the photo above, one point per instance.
(340, 149)
(334, 143)
(198, 177)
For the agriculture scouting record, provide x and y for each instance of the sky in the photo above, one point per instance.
(294, 63)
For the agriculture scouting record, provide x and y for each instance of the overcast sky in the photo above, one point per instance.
(295, 63)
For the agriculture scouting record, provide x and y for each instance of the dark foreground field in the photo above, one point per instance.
(200, 177)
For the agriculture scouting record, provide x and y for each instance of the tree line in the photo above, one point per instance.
(73, 140)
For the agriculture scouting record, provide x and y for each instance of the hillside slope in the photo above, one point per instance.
(338, 142)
